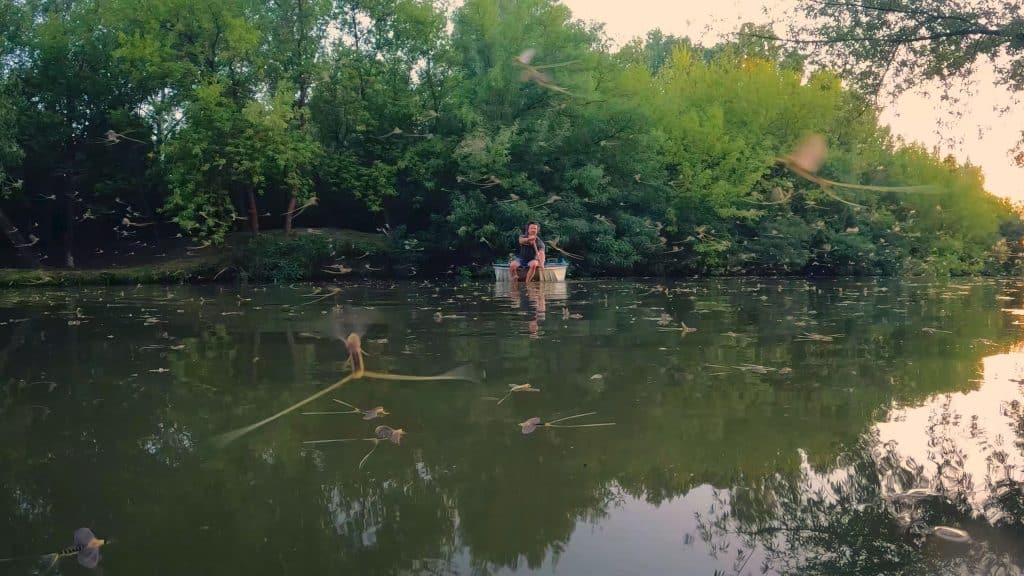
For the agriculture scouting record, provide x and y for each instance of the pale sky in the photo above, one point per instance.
(983, 136)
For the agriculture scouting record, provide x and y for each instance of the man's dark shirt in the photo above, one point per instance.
(526, 251)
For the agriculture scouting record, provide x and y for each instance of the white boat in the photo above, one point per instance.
(553, 271)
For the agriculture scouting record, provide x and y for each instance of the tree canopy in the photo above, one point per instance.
(907, 41)
(129, 122)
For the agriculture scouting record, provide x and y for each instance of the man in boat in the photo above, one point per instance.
(531, 254)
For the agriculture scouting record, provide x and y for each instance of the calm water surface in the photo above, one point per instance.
(782, 435)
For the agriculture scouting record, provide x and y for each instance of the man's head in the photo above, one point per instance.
(532, 229)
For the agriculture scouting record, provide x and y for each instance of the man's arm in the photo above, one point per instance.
(524, 240)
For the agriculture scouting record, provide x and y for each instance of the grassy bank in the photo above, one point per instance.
(180, 270)
(310, 254)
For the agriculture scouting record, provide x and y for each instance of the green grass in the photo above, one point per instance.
(176, 271)
(270, 257)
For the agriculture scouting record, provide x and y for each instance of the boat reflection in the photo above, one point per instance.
(532, 298)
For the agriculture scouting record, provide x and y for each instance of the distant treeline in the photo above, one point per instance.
(446, 130)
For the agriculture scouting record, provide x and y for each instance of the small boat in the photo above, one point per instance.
(554, 271)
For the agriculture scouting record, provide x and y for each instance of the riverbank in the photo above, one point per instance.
(309, 254)
(174, 271)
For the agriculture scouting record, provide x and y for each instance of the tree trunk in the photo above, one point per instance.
(254, 216)
(69, 232)
(289, 215)
(299, 105)
(27, 256)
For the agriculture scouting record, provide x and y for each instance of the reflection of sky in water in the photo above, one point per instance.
(975, 428)
(637, 537)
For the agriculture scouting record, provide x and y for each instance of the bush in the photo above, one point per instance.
(280, 259)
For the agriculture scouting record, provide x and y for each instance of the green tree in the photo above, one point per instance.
(907, 41)
(226, 152)
(295, 32)
(74, 121)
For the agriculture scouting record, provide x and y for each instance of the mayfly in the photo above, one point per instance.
(86, 548)
(380, 434)
(810, 156)
(683, 329)
(528, 426)
(333, 291)
(314, 201)
(370, 414)
(514, 388)
(111, 137)
(553, 243)
(355, 356)
(532, 73)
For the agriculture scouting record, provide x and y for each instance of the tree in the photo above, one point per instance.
(72, 115)
(225, 152)
(653, 51)
(295, 32)
(10, 159)
(904, 42)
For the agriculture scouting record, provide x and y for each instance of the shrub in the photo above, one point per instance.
(279, 259)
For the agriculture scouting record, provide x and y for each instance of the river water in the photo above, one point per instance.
(759, 426)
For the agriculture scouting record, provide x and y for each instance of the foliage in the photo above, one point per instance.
(10, 153)
(912, 40)
(447, 129)
(271, 259)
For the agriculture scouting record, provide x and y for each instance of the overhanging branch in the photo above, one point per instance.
(887, 40)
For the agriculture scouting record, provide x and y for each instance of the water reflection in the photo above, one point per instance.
(763, 422)
(936, 488)
(970, 445)
(532, 300)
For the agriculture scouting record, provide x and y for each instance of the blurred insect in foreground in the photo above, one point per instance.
(111, 137)
(810, 156)
(86, 548)
(314, 201)
(534, 74)
(528, 426)
(381, 433)
(355, 356)
(553, 243)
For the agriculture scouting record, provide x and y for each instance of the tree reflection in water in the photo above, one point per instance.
(956, 461)
(814, 468)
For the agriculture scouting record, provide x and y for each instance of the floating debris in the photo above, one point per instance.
(916, 494)
(951, 534)
(811, 337)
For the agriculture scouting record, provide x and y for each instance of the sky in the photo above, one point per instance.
(980, 135)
